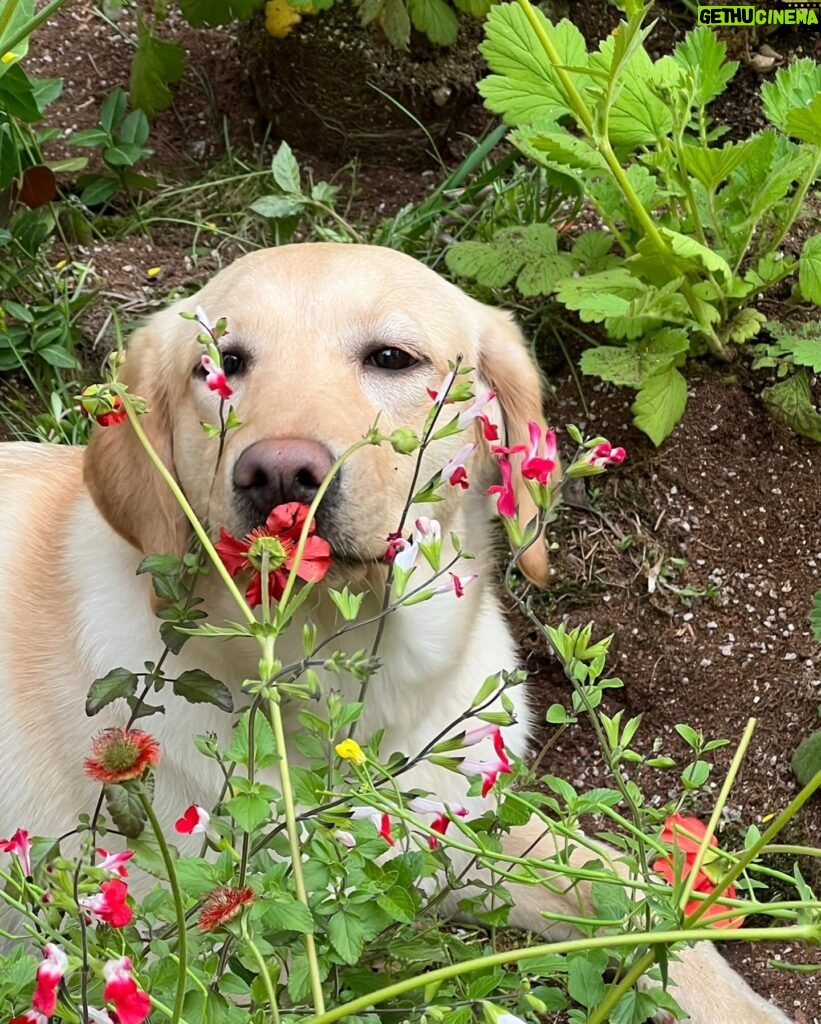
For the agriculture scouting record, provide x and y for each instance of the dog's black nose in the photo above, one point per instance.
(282, 469)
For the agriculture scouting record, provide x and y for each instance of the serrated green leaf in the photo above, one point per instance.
(791, 402)
(746, 324)
(704, 55)
(487, 264)
(274, 207)
(637, 117)
(809, 269)
(435, 19)
(347, 936)
(805, 123)
(126, 810)
(584, 982)
(692, 255)
(264, 745)
(592, 250)
(288, 914)
(794, 87)
(249, 810)
(557, 149)
(599, 296)
(156, 64)
(540, 275)
(712, 166)
(660, 404)
(523, 88)
(400, 903)
(119, 682)
(198, 687)
(631, 365)
(806, 761)
(196, 876)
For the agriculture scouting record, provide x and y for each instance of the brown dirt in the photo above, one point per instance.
(732, 493)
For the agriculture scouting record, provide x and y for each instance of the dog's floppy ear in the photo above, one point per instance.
(505, 363)
(122, 480)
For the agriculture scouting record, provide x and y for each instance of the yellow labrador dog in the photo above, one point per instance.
(323, 340)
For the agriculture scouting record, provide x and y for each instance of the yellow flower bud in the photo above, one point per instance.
(349, 750)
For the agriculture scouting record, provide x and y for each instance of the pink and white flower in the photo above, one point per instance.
(193, 822)
(506, 502)
(474, 412)
(427, 535)
(444, 388)
(215, 377)
(346, 838)
(454, 472)
(406, 555)
(131, 1004)
(114, 863)
(540, 459)
(20, 846)
(604, 455)
(109, 904)
(457, 584)
(488, 770)
(49, 975)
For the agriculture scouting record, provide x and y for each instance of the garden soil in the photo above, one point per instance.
(701, 558)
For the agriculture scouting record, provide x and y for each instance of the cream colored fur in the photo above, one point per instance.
(74, 525)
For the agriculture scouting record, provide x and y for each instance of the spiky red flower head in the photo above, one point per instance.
(118, 755)
(222, 905)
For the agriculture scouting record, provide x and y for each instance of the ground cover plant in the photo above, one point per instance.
(633, 501)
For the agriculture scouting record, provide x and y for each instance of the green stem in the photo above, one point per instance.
(264, 972)
(190, 514)
(182, 936)
(293, 841)
(735, 766)
(795, 205)
(800, 933)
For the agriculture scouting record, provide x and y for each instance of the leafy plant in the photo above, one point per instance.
(121, 140)
(793, 353)
(694, 228)
(806, 761)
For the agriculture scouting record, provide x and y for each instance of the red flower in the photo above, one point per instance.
(540, 459)
(396, 542)
(49, 975)
(30, 1017)
(443, 812)
(194, 821)
(454, 472)
(114, 863)
(684, 835)
(117, 414)
(222, 905)
(215, 378)
(488, 770)
(130, 1002)
(118, 755)
(109, 904)
(605, 454)
(106, 410)
(380, 819)
(506, 502)
(19, 845)
(279, 537)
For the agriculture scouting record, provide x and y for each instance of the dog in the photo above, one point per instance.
(323, 340)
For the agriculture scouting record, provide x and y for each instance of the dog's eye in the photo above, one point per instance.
(391, 358)
(232, 362)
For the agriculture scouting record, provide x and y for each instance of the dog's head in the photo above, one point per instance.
(323, 341)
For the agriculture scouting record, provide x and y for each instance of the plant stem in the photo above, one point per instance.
(182, 936)
(800, 933)
(264, 972)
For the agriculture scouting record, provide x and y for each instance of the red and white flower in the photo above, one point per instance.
(279, 537)
(215, 377)
(457, 584)
(406, 555)
(118, 755)
(490, 431)
(346, 838)
(109, 904)
(444, 388)
(20, 846)
(131, 1004)
(114, 863)
(30, 1017)
(380, 819)
(540, 459)
(193, 822)
(454, 472)
(49, 975)
(443, 815)
(506, 502)
(488, 770)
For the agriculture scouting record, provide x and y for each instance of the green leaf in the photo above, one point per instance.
(18, 97)
(704, 55)
(805, 123)
(264, 745)
(809, 269)
(208, 13)
(637, 117)
(746, 324)
(435, 19)
(198, 687)
(18, 19)
(806, 761)
(396, 24)
(400, 903)
(288, 914)
(791, 402)
(277, 206)
(557, 149)
(610, 901)
(584, 981)
(599, 296)
(119, 682)
(285, 169)
(123, 154)
(347, 936)
(89, 137)
(712, 166)
(631, 365)
(794, 88)
(660, 403)
(483, 262)
(249, 810)
(524, 88)
(113, 109)
(156, 64)
(126, 809)
(692, 255)
(196, 876)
